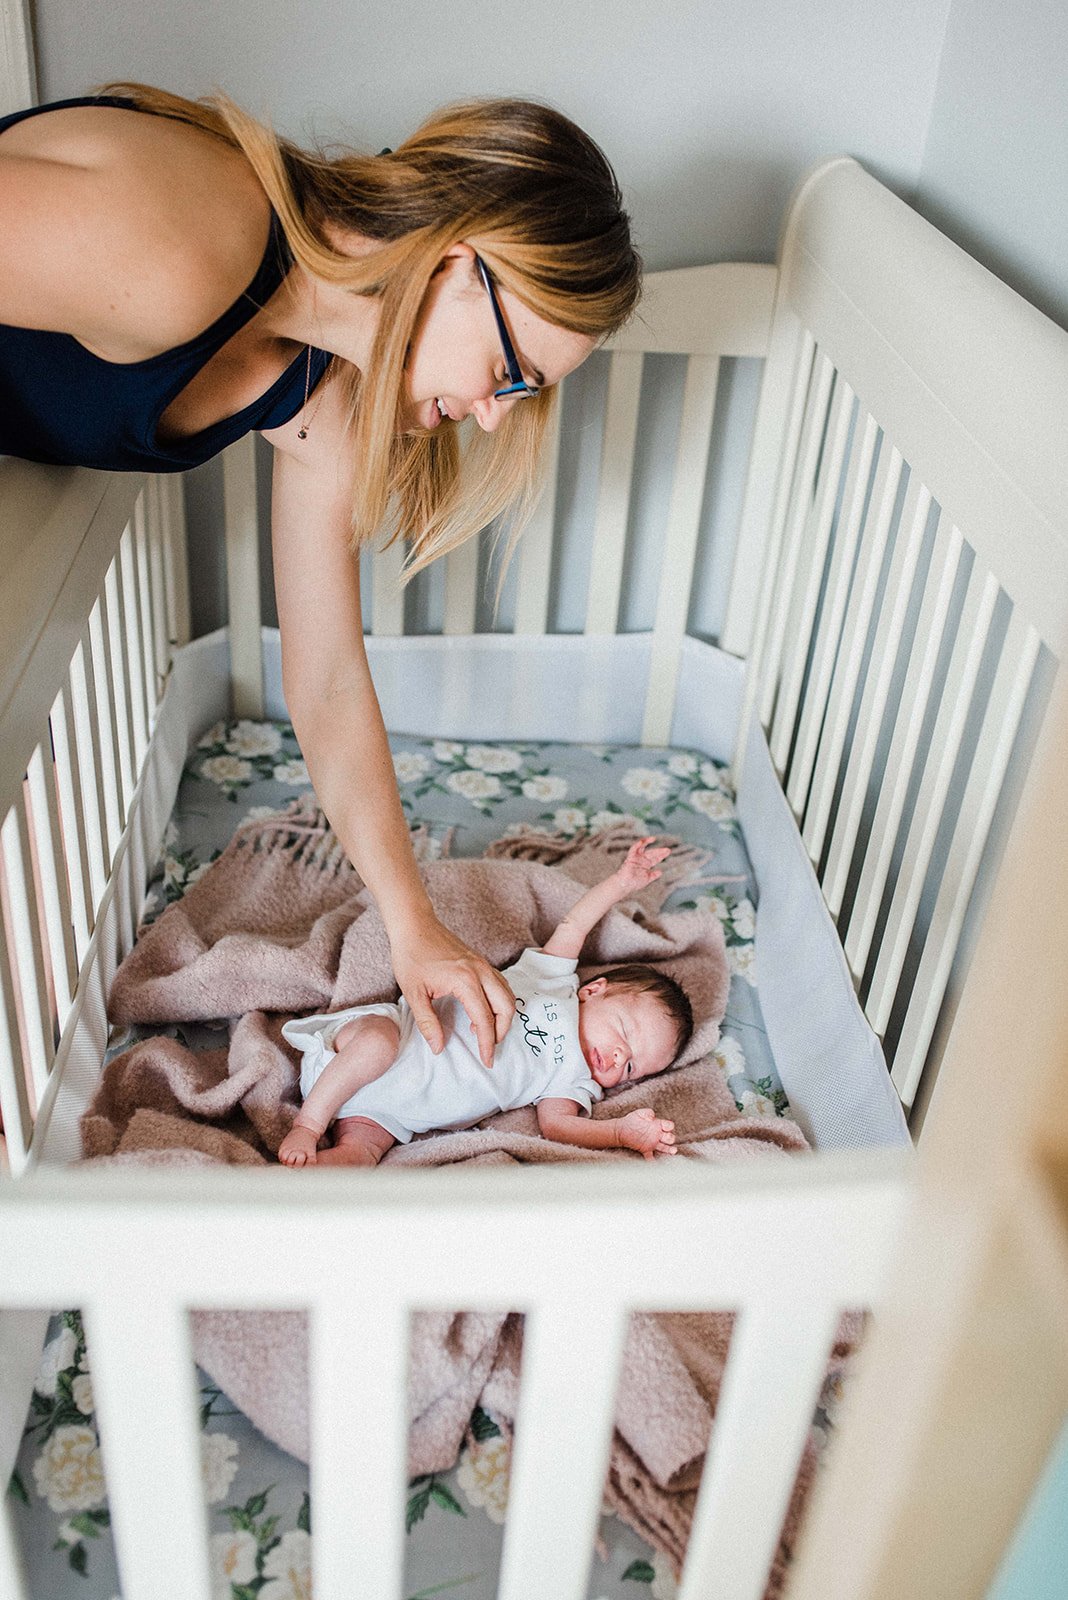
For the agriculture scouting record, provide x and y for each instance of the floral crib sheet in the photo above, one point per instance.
(463, 795)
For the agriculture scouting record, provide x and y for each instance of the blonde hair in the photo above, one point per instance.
(539, 202)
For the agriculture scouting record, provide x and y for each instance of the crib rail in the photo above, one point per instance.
(915, 533)
(825, 1227)
(92, 601)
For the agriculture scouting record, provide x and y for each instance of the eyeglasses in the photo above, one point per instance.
(517, 384)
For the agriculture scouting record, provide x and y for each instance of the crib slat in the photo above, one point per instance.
(946, 739)
(763, 1415)
(782, 395)
(72, 823)
(12, 1573)
(359, 1444)
(54, 895)
(889, 627)
(242, 580)
(1000, 725)
(14, 1089)
(106, 741)
(29, 955)
(145, 607)
(387, 596)
(900, 762)
(613, 495)
(146, 1404)
(536, 544)
(83, 712)
(175, 562)
(552, 1514)
(157, 571)
(843, 556)
(848, 663)
(461, 588)
(120, 679)
(680, 545)
(797, 508)
(131, 640)
(802, 603)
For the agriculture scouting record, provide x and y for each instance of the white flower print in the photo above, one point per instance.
(718, 907)
(610, 819)
(294, 771)
(288, 1568)
(218, 1463)
(646, 782)
(57, 1355)
(483, 1475)
(474, 785)
(81, 1391)
(226, 769)
(741, 959)
(260, 813)
(545, 787)
(682, 765)
(410, 765)
(711, 803)
(730, 1055)
(68, 1472)
(197, 872)
(233, 1560)
(253, 739)
(711, 776)
(569, 819)
(215, 735)
(756, 1105)
(447, 749)
(744, 918)
(490, 758)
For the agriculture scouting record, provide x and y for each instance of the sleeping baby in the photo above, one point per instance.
(369, 1074)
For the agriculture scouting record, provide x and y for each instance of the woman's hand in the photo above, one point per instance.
(429, 963)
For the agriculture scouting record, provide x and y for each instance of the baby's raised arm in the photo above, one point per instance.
(640, 1130)
(638, 870)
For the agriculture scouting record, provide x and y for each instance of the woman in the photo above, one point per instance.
(172, 276)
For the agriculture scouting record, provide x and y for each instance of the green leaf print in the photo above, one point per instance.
(445, 1498)
(483, 1426)
(304, 1514)
(90, 1523)
(79, 1559)
(17, 1489)
(417, 1504)
(640, 1571)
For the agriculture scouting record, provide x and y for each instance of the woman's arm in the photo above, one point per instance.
(337, 719)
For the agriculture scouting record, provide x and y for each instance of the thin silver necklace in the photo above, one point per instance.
(305, 420)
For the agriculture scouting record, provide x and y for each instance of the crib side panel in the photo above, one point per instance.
(87, 614)
(915, 599)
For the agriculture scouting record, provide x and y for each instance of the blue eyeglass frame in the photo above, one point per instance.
(517, 384)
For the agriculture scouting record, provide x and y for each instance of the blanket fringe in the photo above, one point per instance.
(589, 856)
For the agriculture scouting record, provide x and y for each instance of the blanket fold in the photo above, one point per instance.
(282, 924)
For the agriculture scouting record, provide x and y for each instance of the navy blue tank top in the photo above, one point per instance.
(62, 404)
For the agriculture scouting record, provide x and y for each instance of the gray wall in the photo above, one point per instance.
(994, 174)
(709, 111)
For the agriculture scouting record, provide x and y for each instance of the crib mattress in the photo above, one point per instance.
(460, 796)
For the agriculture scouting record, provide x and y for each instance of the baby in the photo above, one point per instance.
(370, 1072)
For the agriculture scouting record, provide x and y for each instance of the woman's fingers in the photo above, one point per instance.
(426, 1018)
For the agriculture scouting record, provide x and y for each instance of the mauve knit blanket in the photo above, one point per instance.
(282, 925)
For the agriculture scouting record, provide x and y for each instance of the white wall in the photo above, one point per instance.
(994, 174)
(709, 109)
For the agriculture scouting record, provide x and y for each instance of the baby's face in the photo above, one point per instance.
(623, 1036)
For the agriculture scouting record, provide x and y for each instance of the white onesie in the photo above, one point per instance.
(538, 1059)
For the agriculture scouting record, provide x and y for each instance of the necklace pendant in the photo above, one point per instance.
(302, 433)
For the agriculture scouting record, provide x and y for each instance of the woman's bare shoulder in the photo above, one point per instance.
(132, 232)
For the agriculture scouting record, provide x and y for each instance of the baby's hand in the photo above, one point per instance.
(641, 866)
(644, 1131)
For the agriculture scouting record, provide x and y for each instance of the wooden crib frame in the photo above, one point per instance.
(899, 807)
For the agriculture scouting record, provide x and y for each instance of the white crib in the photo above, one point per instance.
(897, 591)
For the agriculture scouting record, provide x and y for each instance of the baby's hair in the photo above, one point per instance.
(636, 978)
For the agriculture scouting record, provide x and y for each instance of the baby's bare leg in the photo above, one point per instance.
(366, 1047)
(358, 1142)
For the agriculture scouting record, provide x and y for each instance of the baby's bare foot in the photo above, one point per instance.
(298, 1148)
(350, 1153)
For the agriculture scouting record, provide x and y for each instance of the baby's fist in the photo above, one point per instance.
(644, 1131)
